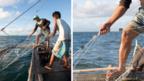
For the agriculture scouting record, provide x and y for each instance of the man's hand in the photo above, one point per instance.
(105, 28)
(119, 11)
(29, 36)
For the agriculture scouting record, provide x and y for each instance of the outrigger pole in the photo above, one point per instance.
(94, 69)
(20, 15)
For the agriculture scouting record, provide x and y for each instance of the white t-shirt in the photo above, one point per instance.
(64, 30)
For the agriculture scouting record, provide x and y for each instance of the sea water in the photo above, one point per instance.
(14, 64)
(104, 52)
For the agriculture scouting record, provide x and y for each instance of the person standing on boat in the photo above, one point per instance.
(43, 24)
(62, 46)
(132, 30)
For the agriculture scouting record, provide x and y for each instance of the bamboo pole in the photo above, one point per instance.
(94, 69)
(25, 46)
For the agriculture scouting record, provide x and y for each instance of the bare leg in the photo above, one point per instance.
(65, 60)
(128, 35)
(37, 39)
(51, 60)
(126, 40)
(48, 66)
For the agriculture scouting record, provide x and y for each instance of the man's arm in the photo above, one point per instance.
(55, 28)
(118, 12)
(34, 30)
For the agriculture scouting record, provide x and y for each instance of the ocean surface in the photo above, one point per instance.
(15, 63)
(102, 53)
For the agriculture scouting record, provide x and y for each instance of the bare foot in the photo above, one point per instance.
(35, 45)
(47, 66)
(66, 66)
(114, 74)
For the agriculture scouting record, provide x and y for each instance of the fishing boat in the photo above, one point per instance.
(37, 72)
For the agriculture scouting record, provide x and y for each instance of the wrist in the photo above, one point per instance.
(110, 21)
(108, 24)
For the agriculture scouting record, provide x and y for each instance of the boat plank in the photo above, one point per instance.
(94, 69)
(89, 77)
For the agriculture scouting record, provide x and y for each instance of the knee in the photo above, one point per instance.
(125, 34)
(128, 34)
(126, 38)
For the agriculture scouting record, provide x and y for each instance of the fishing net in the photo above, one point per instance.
(16, 46)
(86, 49)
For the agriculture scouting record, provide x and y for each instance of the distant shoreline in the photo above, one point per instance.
(90, 31)
(14, 35)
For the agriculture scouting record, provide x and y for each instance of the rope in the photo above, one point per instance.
(40, 7)
(14, 41)
(26, 50)
(84, 51)
(81, 52)
(20, 15)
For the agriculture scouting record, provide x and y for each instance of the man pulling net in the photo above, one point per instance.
(43, 24)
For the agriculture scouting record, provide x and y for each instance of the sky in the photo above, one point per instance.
(10, 9)
(88, 15)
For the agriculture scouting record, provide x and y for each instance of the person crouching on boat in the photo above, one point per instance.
(43, 24)
(62, 46)
(131, 31)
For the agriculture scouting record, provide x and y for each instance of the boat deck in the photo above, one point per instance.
(37, 72)
(89, 77)
(58, 73)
